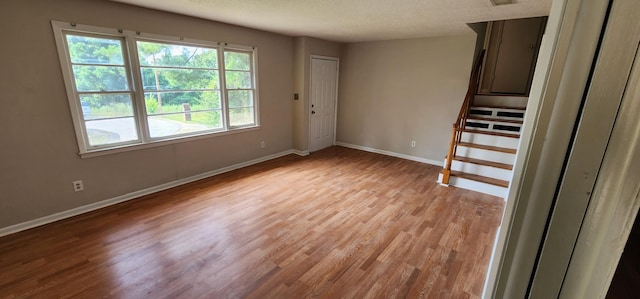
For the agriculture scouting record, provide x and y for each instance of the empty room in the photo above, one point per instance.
(305, 149)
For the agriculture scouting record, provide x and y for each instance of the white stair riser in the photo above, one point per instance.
(487, 155)
(484, 139)
(494, 114)
(492, 129)
(492, 123)
(483, 170)
(476, 186)
(504, 101)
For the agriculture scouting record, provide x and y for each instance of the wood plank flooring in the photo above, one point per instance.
(339, 223)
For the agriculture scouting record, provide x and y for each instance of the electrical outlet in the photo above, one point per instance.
(262, 144)
(77, 186)
(413, 143)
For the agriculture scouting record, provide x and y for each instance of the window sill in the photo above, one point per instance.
(135, 147)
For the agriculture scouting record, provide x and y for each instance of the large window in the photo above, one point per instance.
(127, 88)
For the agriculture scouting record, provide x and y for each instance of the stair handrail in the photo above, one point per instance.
(461, 121)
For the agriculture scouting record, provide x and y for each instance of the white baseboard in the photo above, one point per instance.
(129, 196)
(300, 153)
(388, 153)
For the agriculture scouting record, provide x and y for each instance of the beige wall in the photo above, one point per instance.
(304, 47)
(38, 150)
(393, 92)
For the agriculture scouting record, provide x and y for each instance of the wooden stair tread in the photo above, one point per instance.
(484, 162)
(489, 147)
(513, 121)
(500, 107)
(479, 178)
(492, 133)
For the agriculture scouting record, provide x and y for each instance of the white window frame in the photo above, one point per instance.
(132, 66)
(223, 76)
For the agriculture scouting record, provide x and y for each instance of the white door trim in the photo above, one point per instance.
(562, 71)
(605, 190)
(335, 109)
(616, 197)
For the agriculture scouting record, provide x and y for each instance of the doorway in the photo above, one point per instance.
(323, 102)
(512, 50)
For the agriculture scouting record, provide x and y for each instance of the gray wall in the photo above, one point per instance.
(39, 153)
(392, 92)
(304, 47)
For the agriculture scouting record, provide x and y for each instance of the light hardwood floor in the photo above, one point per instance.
(339, 223)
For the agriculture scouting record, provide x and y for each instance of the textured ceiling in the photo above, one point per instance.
(353, 20)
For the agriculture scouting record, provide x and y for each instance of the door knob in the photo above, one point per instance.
(313, 112)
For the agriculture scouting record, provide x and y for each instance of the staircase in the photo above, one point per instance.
(485, 152)
(484, 140)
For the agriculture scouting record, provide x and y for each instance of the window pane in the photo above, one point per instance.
(92, 50)
(237, 61)
(169, 102)
(178, 79)
(241, 116)
(238, 79)
(240, 98)
(167, 125)
(106, 105)
(157, 54)
(100, 78)
(106, 131)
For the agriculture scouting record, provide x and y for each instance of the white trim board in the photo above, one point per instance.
(388, 153)
(300, 153)
(136, 194)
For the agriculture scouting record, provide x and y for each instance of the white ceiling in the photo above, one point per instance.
(353, 20)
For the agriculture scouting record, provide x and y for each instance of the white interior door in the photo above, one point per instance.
(322, 103)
